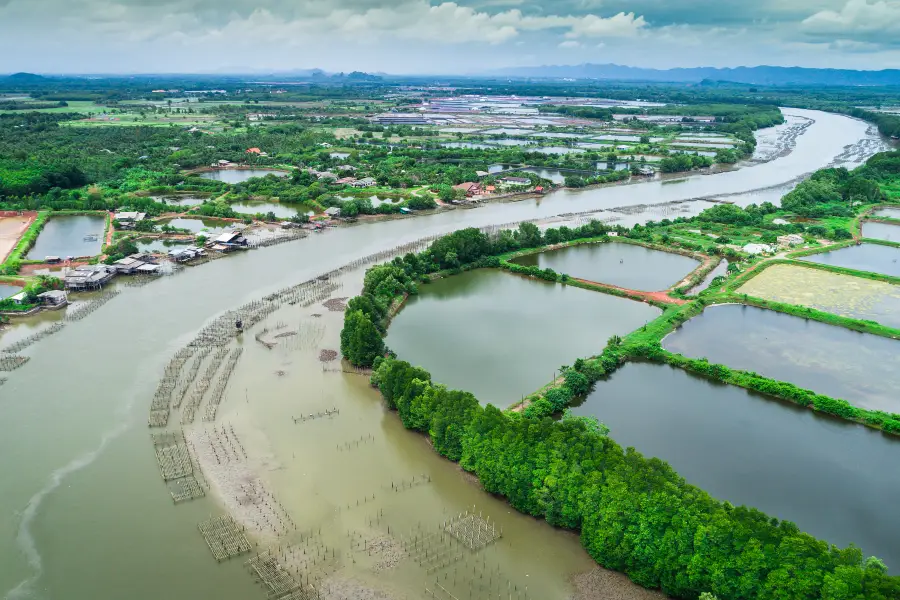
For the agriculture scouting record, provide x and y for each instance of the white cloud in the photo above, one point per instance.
(620, 25)
(876, 21)
(570, 44)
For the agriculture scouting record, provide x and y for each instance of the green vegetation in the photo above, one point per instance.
(36, 286)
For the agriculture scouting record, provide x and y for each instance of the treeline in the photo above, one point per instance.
(833, 192)
(635, 514)
(889, 422)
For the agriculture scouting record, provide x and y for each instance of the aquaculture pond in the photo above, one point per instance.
(807, 353)
(624, 265)
(69, 235)
(881, 231)
(836, 293)
(199, 225)
(720, 270)
(252, 208)
(865, 257)
(182, 200)
(889, 213)
(7, 290)
(835, 480)
(240, 175)
(477, 331)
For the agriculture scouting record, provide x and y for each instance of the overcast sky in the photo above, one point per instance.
(432, 36)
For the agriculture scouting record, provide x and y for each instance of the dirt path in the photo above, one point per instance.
(11, 229)
(646, 296)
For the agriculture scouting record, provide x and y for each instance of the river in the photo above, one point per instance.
(87, 514)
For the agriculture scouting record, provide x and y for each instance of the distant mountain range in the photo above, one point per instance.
(762, 75)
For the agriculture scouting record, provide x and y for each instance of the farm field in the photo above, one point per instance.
(843, 295)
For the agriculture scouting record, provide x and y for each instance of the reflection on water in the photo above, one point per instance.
(826, 475)
(809, 354)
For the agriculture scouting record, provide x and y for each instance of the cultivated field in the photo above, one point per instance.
(830, 292)
(11, 229)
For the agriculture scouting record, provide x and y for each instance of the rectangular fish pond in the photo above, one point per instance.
(7, 290)
(837, 481)
(874, 258)
(863, 369)
(624, 265)
(881, 231)
(240, 175)
(196, 225)
(888, 213)
(502, 336)
(69, 235)
(844, 295)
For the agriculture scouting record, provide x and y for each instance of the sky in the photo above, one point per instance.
(440, 37)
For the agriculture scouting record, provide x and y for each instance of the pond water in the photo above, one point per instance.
(881, 231)
(159, 245)
(182, 200)
(700, 145)
(559, 135)
(240, 175)
(720, 270)
(619, 166)
(620, 264)
(7, 290)
(890, 213)
(809, 354)
(833, 479)
(252, 208)
(507, 131)
(865, 257)
(514, 143)
(556, 150)
(197, 225)
(554, 175)
(467, 145)
(453, 327)
(65, 235)
(339, 155)
(836, 293)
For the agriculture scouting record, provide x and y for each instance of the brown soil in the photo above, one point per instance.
(11, 229)
(646, 296)
(327, 355)
(609, 585)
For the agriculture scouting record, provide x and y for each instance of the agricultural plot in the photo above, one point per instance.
(843, 295)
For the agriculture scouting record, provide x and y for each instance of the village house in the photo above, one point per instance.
(345, 181)
(254, 151)
(127, 220)
(345, 168)
(185, 254)
(364, 183)
(757, 249)
(792, 239)
(54, 298)
(333, 212)
(89, 277)
(470, 188)
(326, 175)
(260, 116)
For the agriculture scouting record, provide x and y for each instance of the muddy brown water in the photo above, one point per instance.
(88, 515)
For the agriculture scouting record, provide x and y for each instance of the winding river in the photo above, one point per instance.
(86, 513)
